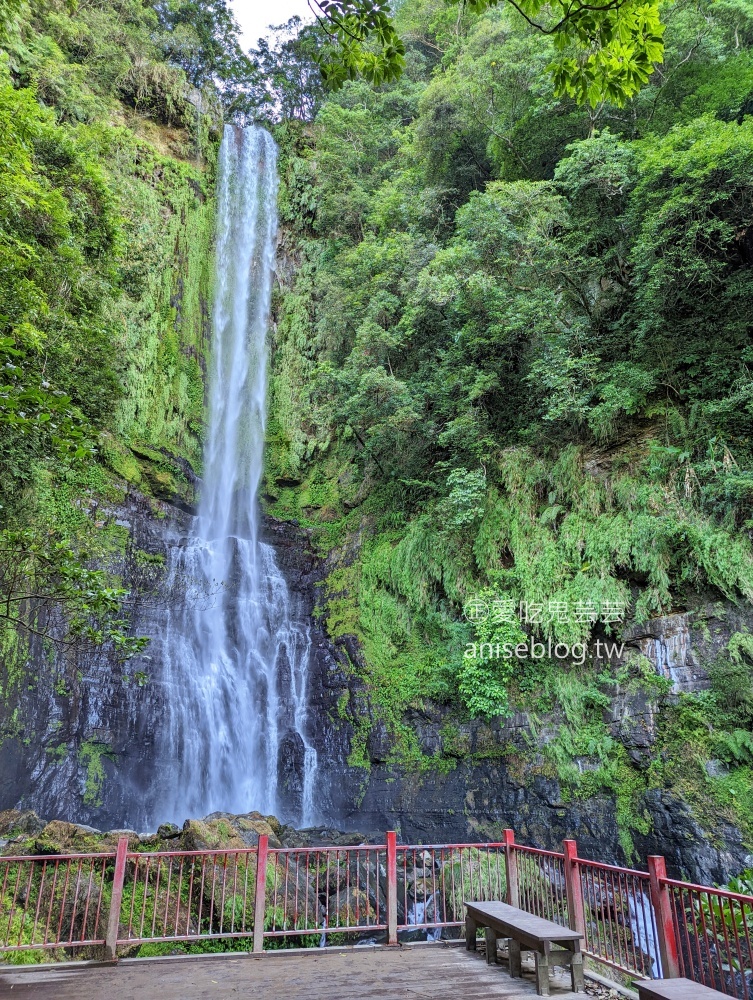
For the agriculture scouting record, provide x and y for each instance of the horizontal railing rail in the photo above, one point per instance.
(641, 923)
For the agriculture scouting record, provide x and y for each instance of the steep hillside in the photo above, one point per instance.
(511, 401)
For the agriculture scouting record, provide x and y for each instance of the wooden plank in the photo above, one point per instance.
(434, 972)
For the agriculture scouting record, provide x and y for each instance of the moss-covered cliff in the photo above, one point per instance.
(107, 218)
(107, 223)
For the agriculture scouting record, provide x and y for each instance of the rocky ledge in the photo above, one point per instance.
(23, 832)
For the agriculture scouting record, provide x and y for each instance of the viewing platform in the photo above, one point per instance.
(364, 911)
(437, 971)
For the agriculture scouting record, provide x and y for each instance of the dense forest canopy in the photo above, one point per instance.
(603, 49)
(512, 342)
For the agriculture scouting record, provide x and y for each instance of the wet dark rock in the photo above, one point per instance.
(323, 836)
(632, 719)
(378, 743)
(168, 831)
(291, 763)
(689, 850)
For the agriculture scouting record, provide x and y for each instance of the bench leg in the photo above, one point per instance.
(542, 973)
(514, 953)
(470, 933)
(576, 972)
(491, 945)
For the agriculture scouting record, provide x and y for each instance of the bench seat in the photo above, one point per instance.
(526, 932)
(675, 989)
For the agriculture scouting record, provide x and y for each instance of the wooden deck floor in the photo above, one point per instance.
(433, 972)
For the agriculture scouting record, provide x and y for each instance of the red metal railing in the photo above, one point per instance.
(541, 883)
(187, 896)
(641, 923)
(434, 881)
(611, 906)
(619, 926)
(713, 930)
(53, 901)
(325, 889)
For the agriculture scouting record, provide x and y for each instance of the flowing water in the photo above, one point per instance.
(235, 656)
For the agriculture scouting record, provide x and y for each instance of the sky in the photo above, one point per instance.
(254, 16)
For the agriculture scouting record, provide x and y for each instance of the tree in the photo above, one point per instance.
(605, 50)
(290, 70)
(47, 592)
(202, 37)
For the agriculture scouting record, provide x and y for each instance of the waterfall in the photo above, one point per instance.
(235, 654)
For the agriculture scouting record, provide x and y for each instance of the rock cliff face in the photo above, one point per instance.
(489, 787)
(85, 749)
(79, 738)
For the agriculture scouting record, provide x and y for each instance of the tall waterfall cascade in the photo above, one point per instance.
(235, 656)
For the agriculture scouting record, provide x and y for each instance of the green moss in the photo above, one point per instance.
(14, 653)
(157, 950)
(169, 222)
(90, 755)
(693, 732)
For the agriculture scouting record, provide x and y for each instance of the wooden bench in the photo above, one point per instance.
(675, 989)
(526, 932)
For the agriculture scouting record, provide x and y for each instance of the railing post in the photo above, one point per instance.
(391, 887)
(665, 927)
(260, 903)
(511, 869)
(574, 887)
(113, 920)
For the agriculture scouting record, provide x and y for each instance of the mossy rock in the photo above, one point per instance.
(226, 831)
(59, 837)
(16, 822)
(208, 835)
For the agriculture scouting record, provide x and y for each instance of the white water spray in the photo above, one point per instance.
(236, 657)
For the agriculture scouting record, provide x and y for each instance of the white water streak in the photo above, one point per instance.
(236, 657)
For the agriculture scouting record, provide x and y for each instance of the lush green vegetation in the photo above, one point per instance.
(513, 364)
(105, 230)
(601, 50)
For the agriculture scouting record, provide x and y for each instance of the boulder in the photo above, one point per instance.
(210, 835)
(14, 822)
(59, 837)
(254, 825)
(168, 831)
(227, 831)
